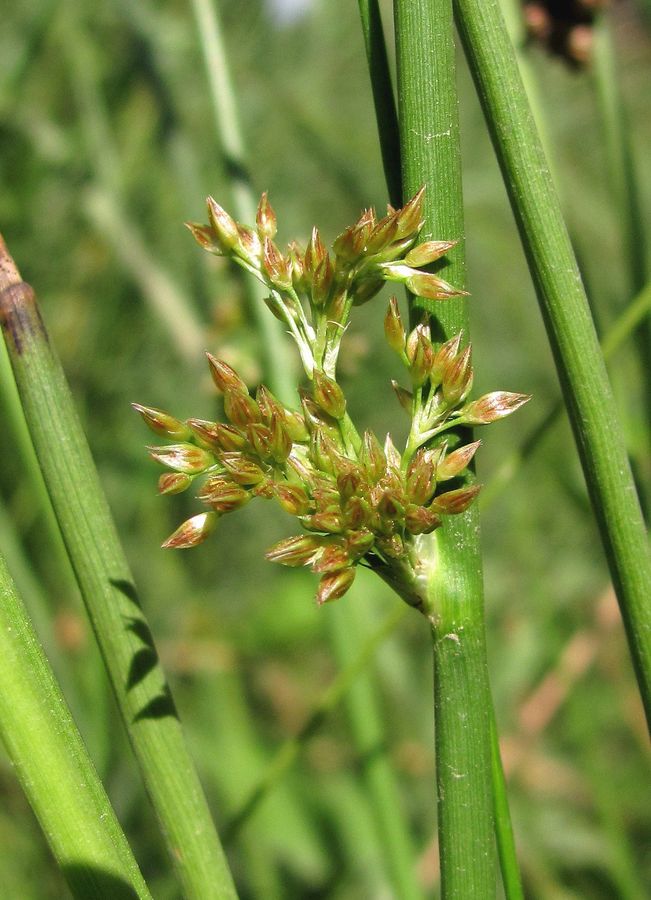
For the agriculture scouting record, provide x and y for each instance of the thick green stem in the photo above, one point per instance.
(108, 591)
(591, 405)
(429, 133)
(53, 766)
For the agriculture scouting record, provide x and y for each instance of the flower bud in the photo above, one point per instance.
(372, 457)
(328, 520)
(421, 355)
(410, 217)
(349, 482)
(393, 328)
(455, 462)
(226, 437)
(296, 427)
(224, 376)
(334, 585)
(383, 235)
(365, 288)
(259, 439)
(405, 398)
(296, 551)
(205, 236)
(223, 494)
(315, 252)
(297, 267)
(431, 287)
(421, 477)
(359, 542)
(224, 226)
(173, 482)
(491, 407)
(334, 558)
(249, 246)
(162, 423)
(393, 457)
(186, 458)
(293, 498)
(242, 468)
(328, 395)
(391, 546)
(357, 513)
(344, 246)
(280, 445)
(265, 218)
(427, 253)
(192, 532)
(419, 520)
(240, 408)
(322, 282)
(275, 266)
(443, 356)
(454, 502)
(458, 377)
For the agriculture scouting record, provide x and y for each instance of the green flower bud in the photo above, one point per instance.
(393, 328)
(301, 550)
(419, 520)
(372, 457)
(240, 407)
(224, 227)
(205, 236)
(429, 252)
(454, 502)
(455, 462)
(186, 458)
(173, 482)
(491, 407)
(223, 494)
(224, 376)
(265, 218)
(457, 378)
(293, 498)
(334, 585)
(192, 532)
(328, 395)
(334, 558)
(242, 468)
(162, 423)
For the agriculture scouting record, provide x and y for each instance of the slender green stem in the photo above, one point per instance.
(278, 373)
(288, 752)
(429, 134)
(108, 591)
(53, 766)
(385, 104)
(592, 408)
(503, 828)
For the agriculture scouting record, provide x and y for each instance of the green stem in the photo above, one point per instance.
(503, 828)
(430, 155)
(591, 405)
(278, 374)
(385, 104)
(109, 594)
(53, 766)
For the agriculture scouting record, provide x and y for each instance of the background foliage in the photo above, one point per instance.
(107, 144)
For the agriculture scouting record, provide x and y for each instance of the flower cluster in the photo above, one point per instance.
(357, 500)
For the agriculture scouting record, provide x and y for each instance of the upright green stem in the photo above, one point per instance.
(53, 766)
(278, 374)
(106, 584)
(429, 133)
(592, 408)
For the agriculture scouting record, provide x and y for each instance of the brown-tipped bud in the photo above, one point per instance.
(275, 266)
(391, 546)
(323, 452)
(372, 457)
(162, 423)
(390, 507)
(348, 483)
(454, 502)
(405, 398)
(270, 408)
(344, 245)
(431, 287)
(392, 454)
(455, 462)
(410, 217)
(173, 483)
(491, 407)
(265, 218)
(444, 356)
(427, 253)
(419, 520)
(357, 513)
(204, 235)
(186, 458)
(297, 267)
(241, 468)
(334, 558)
(421, 355)
(421, 477)
(204, 432)
(259, 439)
(327, 520)
(223, 494)
(322, 282)
(192, 532)
(281, 443)
(383, 235)
(457, 378)
(315, 252)
(224, 376)
(301, 550)
(225, 228)
(328, 395)
(249, 245)
(296, 427)
(335, 585)
(359, 542)
(293, 498)
(393, 328)
(240, 408)
(226, 437)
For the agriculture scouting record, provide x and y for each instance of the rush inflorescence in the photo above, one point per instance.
(358, 500)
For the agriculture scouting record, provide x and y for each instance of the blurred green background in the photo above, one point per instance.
(108, 144)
